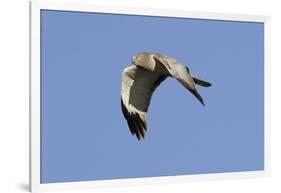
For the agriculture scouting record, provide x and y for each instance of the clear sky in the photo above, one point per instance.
(84, 135)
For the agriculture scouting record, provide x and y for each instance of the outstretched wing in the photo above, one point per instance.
(136, 90)
(180, 72)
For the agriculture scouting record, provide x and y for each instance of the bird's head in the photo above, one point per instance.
(141, 59)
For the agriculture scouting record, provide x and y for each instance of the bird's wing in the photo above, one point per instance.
(180, 72)
(136, 90)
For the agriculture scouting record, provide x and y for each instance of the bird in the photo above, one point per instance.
(140, 80)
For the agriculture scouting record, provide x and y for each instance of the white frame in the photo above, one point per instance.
(36, 6)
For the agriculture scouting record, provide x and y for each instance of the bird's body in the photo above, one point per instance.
(146, 61)
(140, 81)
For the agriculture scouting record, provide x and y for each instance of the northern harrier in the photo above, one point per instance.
(139, 82)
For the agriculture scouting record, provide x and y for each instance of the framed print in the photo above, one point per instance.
(126, 96)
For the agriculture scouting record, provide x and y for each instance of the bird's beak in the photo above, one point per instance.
(133, 59)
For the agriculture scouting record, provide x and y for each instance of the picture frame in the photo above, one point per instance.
(35, 93)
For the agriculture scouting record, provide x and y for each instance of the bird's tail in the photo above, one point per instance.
(201, 82)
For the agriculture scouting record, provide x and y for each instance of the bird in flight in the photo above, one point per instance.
(140, 80)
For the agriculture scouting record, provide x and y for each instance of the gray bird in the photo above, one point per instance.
(140, 81)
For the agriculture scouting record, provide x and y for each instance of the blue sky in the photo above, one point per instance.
(83, 133)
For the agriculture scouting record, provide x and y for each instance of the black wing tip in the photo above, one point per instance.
(198, 96)
(136, 125)
(140, 138)
(138, 132)
(203, 103)
(201, 82)
(208, 84)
